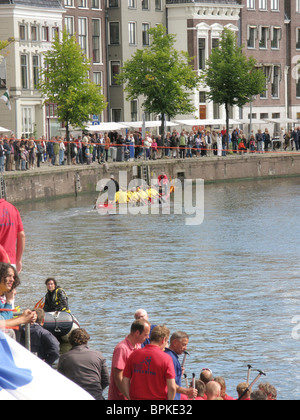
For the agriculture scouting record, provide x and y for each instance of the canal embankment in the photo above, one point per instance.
(53, 182)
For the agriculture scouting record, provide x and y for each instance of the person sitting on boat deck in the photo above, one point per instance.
(56, 299)
(9, 281)
(43, 343)
(84, 366)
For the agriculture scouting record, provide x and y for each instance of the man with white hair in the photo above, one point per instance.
(142, 314)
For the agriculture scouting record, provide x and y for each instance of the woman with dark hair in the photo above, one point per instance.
(9, 281)
(56, 299)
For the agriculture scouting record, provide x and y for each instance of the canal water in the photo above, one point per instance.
(232, 283)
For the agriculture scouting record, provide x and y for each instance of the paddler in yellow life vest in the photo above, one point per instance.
(152, 194)
(134, 196)
(143, 194)
(121, 196)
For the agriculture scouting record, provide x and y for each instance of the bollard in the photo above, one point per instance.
(27, 337)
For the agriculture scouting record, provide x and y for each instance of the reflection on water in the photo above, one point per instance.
(232, 283)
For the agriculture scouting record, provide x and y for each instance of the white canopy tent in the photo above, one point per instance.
(206, 122)
(254, 121)
(105, 126)
(148, 124)
(4, 130)
(284, 121)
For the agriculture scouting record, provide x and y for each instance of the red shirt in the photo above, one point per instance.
(120, 356)
(3, 255)
(148, 370)
(10, 226)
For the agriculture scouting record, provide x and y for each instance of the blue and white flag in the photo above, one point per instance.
(25, 377)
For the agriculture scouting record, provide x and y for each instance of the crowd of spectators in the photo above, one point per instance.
(27, 154)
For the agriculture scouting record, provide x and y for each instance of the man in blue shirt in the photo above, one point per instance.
(178, 345)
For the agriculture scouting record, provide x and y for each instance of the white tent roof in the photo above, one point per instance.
(283, 121)
(4, 130)
(148, 124)
(254, 121)
(111, 126)
(207, 122)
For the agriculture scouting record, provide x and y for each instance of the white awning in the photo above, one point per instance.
(148, 124)
(207, 122)
(4, 130)
(254, 121)
(105, 126)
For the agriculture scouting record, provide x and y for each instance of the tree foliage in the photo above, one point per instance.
(65, 82)
(233, 79)
(162, 75)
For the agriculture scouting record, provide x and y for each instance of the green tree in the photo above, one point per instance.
(65, 82)
(233, 79)
(162, 75)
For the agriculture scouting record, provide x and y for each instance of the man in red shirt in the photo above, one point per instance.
(149, 373)
(3, 256)
(12, 236)
(139, 332)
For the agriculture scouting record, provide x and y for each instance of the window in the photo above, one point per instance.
(69, 3)
(69, 25)
(131, 4)
(116, 115)
(82, 4)
(145, 5)
(27, 121)
(82, 34)
(298, 88)
(251, 4)
(24, 71)
(276, 36)
(275, 5)
(114, 33)
(36, 70)
(96, 33)
(45, 34)
(34, 33)
(252, 35)
(263, 4)
(95, 4)
(202, 53)
(113, 4)
(264, 36)
(215, 42)
(275, 82)
(146, 37)
(22, 33)
(115, 70)
(134, 111)
(267, 70)
(132, 33)
(158, 5)
(298, 39)
(97, 78)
